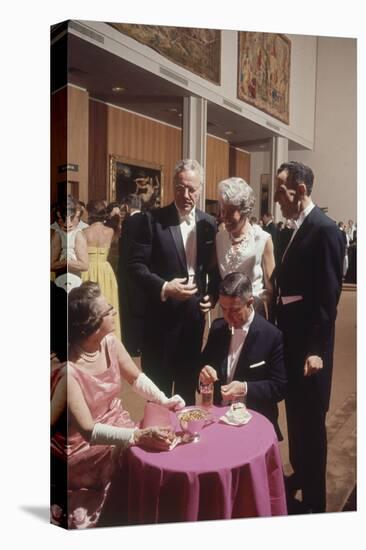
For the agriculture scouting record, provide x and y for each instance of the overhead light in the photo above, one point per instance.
(172, 110)
(180, 115)
(117, 89)
(229, 132)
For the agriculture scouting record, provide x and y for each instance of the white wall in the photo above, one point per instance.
(334, 158)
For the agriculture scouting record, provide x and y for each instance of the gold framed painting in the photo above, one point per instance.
(128, 176)
(264, 62)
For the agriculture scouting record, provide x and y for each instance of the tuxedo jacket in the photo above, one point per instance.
(131, 297)
(173, 329)
(260, 364)
(311, 269)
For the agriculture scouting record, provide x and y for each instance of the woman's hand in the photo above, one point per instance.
(175, 403)
(154, 438)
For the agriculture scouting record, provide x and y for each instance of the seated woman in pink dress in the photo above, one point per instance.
(90, 428)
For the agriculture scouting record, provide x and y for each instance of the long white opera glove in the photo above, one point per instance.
(105, 434)
(147, 389)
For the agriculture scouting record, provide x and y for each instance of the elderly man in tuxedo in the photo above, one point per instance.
(244, 352)
(308, 283)
(172, 261)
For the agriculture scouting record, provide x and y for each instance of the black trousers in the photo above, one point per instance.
(307, 442)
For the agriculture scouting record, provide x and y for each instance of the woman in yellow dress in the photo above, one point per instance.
(99, 238)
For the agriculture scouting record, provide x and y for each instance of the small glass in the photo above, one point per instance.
(206, 391)
(238, 400)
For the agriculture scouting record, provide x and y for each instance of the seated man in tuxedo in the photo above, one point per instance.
(244, 352)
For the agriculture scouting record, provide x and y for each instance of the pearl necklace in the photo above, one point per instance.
(88, 357)
(237, 240)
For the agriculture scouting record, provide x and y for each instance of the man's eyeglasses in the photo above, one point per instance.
(180, 188)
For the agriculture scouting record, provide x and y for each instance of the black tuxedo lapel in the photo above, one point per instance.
(299, 236)
(201, 243)
(174, 228)
(178, 241)
(225, 346)
(248, 344)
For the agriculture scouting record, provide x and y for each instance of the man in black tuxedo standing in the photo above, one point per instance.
(308, 287)
(244, 352)
(172, 260)
(131, 297)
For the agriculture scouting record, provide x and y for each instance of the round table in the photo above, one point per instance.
(232, 472)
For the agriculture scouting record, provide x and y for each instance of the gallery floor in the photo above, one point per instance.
(341, 419)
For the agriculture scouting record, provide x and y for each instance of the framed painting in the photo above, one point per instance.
(264, 61)
(144, 179)
(198, 50)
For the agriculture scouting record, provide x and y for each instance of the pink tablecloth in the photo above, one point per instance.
(232, 472)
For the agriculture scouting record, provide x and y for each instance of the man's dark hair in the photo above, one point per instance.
(298, 173)
(133, 201)
(236, 285)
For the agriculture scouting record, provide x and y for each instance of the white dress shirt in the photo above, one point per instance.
(189, 236)
(238, 337)
(188, 231)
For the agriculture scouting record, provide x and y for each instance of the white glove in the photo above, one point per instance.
(147, 389)
(175, 403)
(105, 434)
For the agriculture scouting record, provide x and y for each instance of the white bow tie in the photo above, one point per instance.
(188, 218)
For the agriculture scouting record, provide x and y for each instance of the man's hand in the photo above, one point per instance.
(313, 364)
(176, 288)
(231, 390)
(206, 304)
(208, 375)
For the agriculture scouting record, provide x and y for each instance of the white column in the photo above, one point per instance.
(194, 135)
(279, 154)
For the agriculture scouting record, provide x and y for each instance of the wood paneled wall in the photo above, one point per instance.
(114, 131)
(96, 130)
(217, 165)
(78, 138)
(58, 138)
(69, 141)
(239, 164)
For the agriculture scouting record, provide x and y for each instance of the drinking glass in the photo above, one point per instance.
(206, 391)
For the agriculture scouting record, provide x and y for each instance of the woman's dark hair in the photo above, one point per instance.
(83, 313)
(97, 211)
(67, 208)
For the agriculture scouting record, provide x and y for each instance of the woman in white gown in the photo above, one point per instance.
(69, 253)
(241, 246)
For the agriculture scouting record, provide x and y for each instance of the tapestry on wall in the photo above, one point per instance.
(264, 61)
(198, 50)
